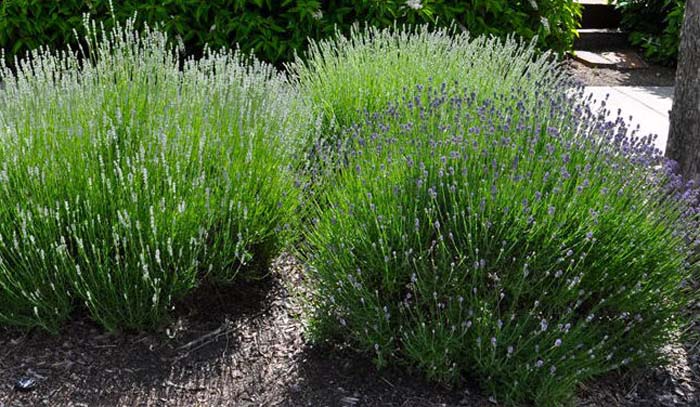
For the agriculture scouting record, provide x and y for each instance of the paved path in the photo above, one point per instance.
(649, 107)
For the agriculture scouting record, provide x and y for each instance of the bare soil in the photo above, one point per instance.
(244, 346)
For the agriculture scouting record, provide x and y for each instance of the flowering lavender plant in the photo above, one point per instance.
(347, 76)
(344, 78)
(518, 239)
(127, 176)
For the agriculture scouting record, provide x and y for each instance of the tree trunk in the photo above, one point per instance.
(684, 135)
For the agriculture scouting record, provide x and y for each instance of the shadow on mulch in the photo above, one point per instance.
(675, 383)
(338, 377)
(354, 381)
(243, 346)
(84, 365)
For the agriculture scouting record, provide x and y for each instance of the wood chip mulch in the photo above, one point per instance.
(244, 346)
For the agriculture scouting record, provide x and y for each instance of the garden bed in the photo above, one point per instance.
(653, 75)
(465, 219)
(252, 353)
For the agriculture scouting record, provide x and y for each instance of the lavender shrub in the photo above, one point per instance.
(519, 239)
(128, 176)
(346, 76)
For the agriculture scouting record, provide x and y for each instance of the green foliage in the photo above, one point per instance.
(275, 30)
(476, 219)
(554, 22)
(346, 76)
(655, 26)
(128, 176)
(503, 233)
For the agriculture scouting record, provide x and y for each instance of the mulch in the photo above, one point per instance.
(652, 75)
(244, 346)
(238, 347)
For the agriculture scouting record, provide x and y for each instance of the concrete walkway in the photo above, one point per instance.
(648, 106)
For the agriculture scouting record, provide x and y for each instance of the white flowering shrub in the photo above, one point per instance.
(128, 175)
(526, 248)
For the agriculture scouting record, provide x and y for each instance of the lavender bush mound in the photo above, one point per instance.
(346, 76)
(526, 249)
(128, 176)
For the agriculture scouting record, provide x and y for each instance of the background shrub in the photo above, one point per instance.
(127, 177)
(528, 246)
(274, 30)
(655, 26)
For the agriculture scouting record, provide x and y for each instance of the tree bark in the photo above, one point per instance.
(684, 133)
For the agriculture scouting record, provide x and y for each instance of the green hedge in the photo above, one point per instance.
(274, 29)
(655, 26)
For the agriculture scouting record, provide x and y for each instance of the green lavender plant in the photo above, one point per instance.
(346, 76)
(128, 176)
(524, 242)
